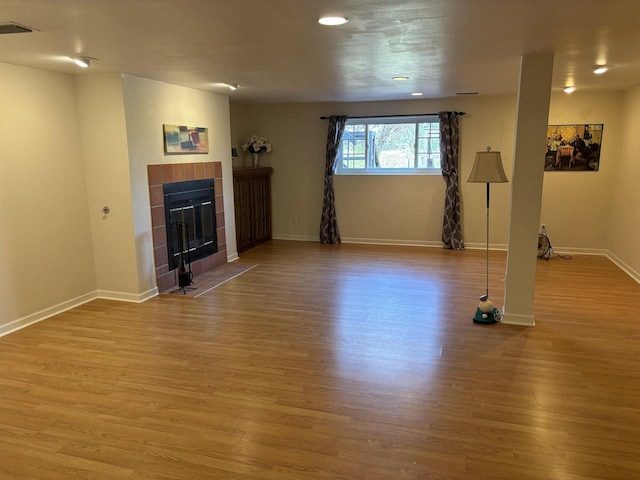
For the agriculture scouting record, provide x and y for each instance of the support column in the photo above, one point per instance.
(534, 94)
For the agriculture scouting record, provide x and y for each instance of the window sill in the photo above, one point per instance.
(389, 173)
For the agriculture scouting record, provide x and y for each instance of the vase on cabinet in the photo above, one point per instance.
(256, 160)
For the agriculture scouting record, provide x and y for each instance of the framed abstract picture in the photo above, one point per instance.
(180, 139)
(573, 148)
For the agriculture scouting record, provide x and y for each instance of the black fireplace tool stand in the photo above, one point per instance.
(185, 275)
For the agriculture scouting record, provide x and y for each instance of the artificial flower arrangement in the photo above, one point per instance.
(257, 144)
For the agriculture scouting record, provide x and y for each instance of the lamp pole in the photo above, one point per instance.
(488, 187)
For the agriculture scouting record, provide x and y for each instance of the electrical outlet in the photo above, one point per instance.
(294, 219)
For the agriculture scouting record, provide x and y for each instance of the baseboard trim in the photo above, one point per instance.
(127, 297)
(300, 238)
(623, 266)
(362, 241)
(152, 292)
(46, 313)
(389, 241)
(483, 246)
(233, 257)
(579, 251)
(518, 319)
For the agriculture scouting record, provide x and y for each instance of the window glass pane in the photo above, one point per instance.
(353, 146)
(429, 128)
(393, 144)
(428, 161)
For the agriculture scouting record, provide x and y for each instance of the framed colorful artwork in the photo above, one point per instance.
(573, 148)
(180, 139)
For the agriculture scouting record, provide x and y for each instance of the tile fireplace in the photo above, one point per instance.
(203, 217)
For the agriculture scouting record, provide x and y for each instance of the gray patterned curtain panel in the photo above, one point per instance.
(449, 141)
(329, 232)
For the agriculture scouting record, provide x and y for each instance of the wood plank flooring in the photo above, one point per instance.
(334, 362)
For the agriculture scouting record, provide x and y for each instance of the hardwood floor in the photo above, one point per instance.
(334, 362)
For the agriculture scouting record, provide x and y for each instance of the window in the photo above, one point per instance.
(390, 145)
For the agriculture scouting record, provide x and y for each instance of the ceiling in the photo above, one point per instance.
(277, 52)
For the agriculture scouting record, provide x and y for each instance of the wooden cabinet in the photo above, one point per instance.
(252, 202)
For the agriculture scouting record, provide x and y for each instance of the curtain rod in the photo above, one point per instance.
(393, 116)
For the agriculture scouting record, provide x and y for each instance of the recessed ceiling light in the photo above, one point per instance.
(416, 94)
(400, 78)
(569, 89)
(84, 62)
(600, 70)
(333, 21)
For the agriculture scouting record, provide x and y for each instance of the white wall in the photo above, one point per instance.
(148, 105)
(240, 131)
(408, 209)
(624, 229)
(577, 205)
(106, 160)
(45, 238)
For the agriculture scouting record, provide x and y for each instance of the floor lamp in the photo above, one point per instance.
(487, 168)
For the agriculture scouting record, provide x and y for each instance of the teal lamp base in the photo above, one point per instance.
(491, 316)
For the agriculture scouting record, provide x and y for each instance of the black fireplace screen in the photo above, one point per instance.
(190, 220)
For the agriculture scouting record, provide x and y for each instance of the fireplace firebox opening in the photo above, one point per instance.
(190, 214)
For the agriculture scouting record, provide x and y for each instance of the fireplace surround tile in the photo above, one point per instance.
(160, 236)
(161, 256)
(155, 174)
(220, 220)
(208, 170)
(219, 203)
(190, 171)
(178, 172)
(217, 184)
(199, 168)
(157, 215)
(222, 243)
(167, 173)
(156, 196)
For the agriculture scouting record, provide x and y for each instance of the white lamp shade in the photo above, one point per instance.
(487, 168)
